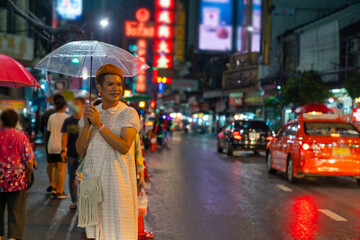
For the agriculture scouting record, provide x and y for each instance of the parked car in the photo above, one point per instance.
(315, 145)
(244, 135)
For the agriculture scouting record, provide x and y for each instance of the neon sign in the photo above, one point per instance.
(164, 31)
(163, 46)
(139, 30)
(142, 15)
(164, 16)
(141, 78)
(167, 4)
(163, 61)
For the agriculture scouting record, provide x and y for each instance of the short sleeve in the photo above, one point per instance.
(64, 126)
(131, 119)
(48, 128)
(26, 150)
(81, 122)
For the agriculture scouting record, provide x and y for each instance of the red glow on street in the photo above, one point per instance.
(304, 218)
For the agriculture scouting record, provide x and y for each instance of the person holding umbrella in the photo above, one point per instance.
(106, 138)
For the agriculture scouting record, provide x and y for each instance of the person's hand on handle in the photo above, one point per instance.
(93, 115)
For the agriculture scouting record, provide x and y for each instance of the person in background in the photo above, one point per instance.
(43, 128)
(57, 164)
(16, 163)
(70, 133)
(158, 128)
(166, 131)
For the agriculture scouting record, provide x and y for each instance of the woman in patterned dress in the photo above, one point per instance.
(110, 138)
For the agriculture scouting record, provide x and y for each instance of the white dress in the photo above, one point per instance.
(118, 213)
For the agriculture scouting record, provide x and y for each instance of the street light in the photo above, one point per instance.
(104, 22)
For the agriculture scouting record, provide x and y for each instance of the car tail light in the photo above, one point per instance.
(335, 135)
(270, 138)
(236, 135)
(305, 146)
(311, 147)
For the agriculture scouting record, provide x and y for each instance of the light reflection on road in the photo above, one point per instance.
(304, 218)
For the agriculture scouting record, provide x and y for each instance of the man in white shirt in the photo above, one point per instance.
(56, 163)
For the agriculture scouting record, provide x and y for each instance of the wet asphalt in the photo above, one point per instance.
(199, 194)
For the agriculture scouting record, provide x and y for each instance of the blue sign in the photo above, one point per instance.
(161, 87)
(69, 9)
(340, 105)
(215, 28)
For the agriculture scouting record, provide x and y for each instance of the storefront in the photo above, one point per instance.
(201, 122)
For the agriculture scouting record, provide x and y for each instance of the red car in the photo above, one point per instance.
(315, 145)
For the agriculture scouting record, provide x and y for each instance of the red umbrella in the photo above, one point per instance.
(313, 107)
(14, 75)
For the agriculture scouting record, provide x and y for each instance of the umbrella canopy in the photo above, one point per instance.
(137, 97)
(314, 107)
(84, 58)
(14, 75)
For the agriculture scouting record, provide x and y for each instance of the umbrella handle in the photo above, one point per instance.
(91, 61)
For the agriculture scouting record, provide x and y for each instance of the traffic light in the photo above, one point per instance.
(152, 104)
(142, 104)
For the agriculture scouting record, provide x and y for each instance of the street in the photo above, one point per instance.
(197, 193)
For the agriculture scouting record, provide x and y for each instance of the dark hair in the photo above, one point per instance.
(80, 99)
(59, 101)
(101, 79)
(9, 118)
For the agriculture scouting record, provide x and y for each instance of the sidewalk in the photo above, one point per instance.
(47, 218)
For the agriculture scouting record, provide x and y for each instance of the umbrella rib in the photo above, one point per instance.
(126, 68)
(83, 67)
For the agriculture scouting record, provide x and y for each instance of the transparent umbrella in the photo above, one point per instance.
(84, 58)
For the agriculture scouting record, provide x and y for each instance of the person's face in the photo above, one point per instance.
(111, 89)
(78, 107)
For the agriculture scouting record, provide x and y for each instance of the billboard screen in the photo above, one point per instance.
(256, 26)
(215, 28)
(248, 22)
(69, 9)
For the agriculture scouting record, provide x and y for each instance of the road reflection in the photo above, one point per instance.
(304, 222)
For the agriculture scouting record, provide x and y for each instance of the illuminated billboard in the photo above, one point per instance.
(256, 26)
(69, 9)
(215, 29)
(248, 22)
